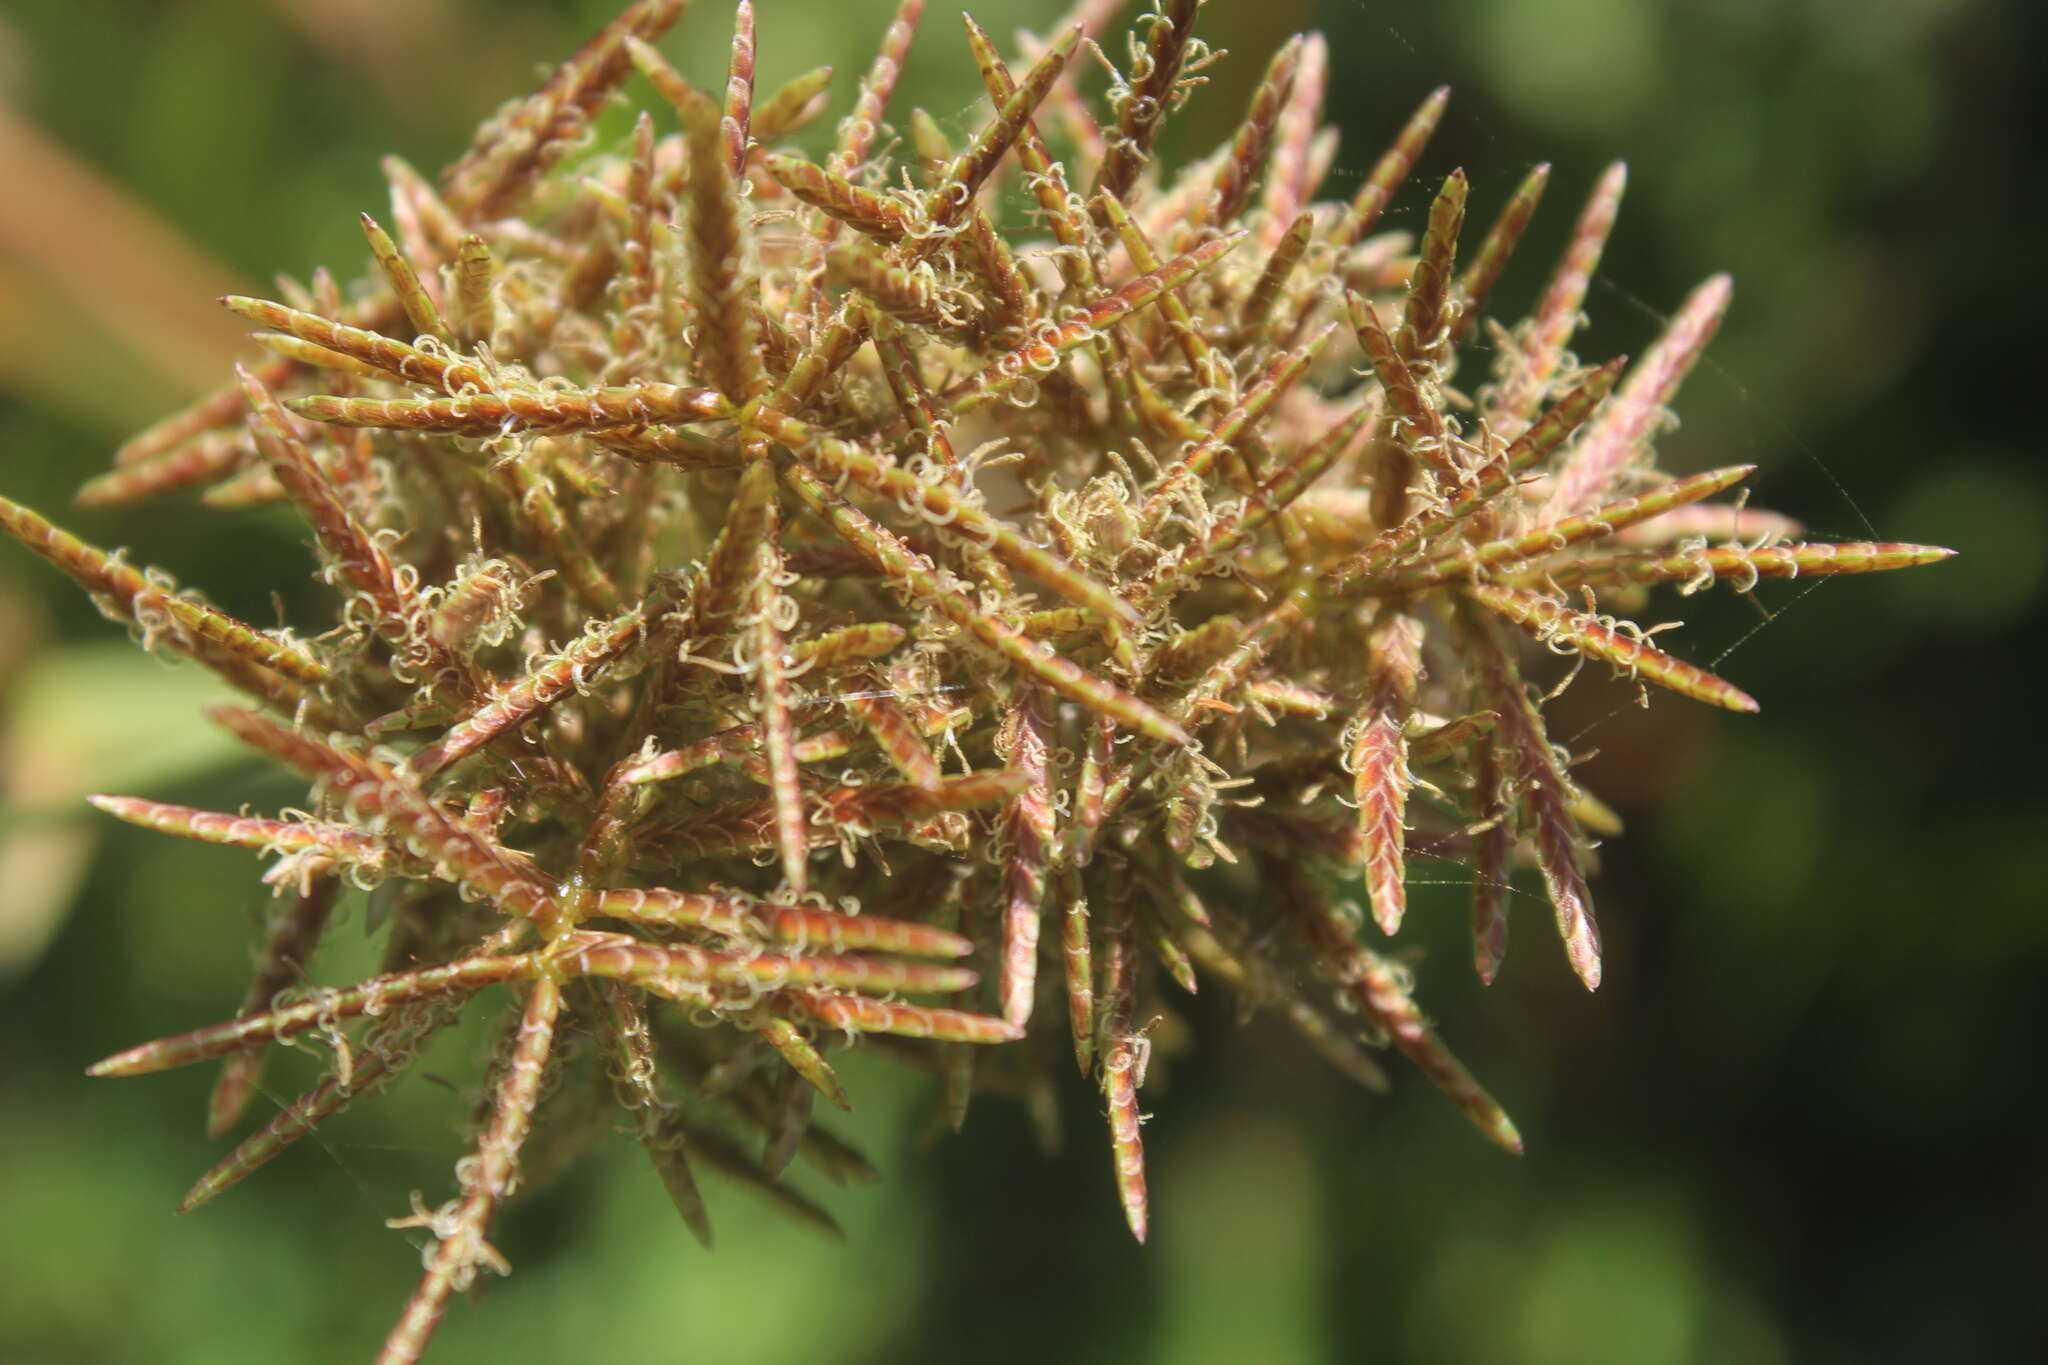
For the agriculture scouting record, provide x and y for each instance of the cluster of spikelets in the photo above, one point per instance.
(772, 590)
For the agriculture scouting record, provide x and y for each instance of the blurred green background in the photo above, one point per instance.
(1791, 1126)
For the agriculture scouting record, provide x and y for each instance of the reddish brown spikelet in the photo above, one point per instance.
(1490, 869)
(1494, 250)
(475, 303)
(1532, 367)
(1617, 435)
(1426, 319)
(244, 831)
(394, 358)
(698, 974)
(628, 1042)
(462, 1250)
(956, 190)
(807, 1062)
(1419, 431)
(1560, 535)
(738, 114)
(1046, 177)
(722, 586)
(1379, 761)
(780, 923)
(1376, 989)
(387, 1049)
(861, 209)
(1291, 181)
(906, 383)
(1201, 356)
(1077, 958)
(771, 701)
(245, 657)
(856, 137)
(1120, 1050)
(216, 410)
(1028, 830)
(1088, 798)
(1743, 564)
(355, 554)
(637, 285)
(857, 134)
(512, 149)
(896, 736)
(326, 1008)
(1280, 265)
(1141, 112)
(1379, 991)
(691, 105)
(1546, 796)
(858, 1014)
(1393, 167)
(1553, 622)
(849, 644)
(371, 789)
(287, 947)
(1248, 146)
(202, 460)
(905, 296)
(793, 104)
(723, 296)
(420, 309)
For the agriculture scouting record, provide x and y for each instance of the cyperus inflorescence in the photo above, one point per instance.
(912, 596)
